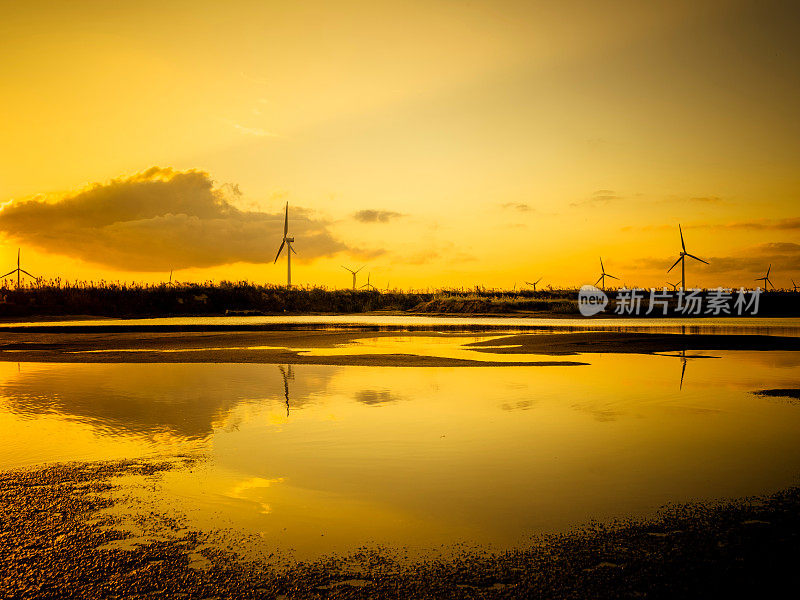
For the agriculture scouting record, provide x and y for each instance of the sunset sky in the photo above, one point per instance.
(442, 143)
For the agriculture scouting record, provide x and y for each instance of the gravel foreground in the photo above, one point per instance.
(56, 541)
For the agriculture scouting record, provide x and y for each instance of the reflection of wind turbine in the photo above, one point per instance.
(603, 275)
(288, 374)
(767, 281)
(682, 260)
(534, 283)
(354, 274)
(18, 271)
(683, 368)
(287, 241)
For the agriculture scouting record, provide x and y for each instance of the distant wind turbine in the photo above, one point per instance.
(287, 241)
(534, 283)
(674, 285)
(18, 271)
(603, 275)
(368, 285)
(682, 260)
(767, 281)
(794, 285)
(354, 274)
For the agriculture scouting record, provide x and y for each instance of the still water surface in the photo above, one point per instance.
(320, 459)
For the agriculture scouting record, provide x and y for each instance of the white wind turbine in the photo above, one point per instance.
(603, 275)
(354, 274)
(767, 281)
(682, 260)
(534, 283)
(287, 241)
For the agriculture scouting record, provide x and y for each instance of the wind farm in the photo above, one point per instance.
(490, 417)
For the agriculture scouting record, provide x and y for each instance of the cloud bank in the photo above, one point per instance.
(161, 219)
(376, 216)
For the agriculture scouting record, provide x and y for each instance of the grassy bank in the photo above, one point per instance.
(56, 299)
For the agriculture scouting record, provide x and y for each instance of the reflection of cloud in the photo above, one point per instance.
(181, 400)
(519, 405)
(376, 397)
(161, 219)
(376, 216)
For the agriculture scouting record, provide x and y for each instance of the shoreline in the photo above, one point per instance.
(57, 544)
(297, 347)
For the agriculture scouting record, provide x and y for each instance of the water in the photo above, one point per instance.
(314, 460)
(753, 325)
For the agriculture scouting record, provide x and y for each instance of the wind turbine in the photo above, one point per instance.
(354, 274)
(767, 281)
(287, 241)
(794, 285)
(674, 285)
(603, 275)
(368, 285)
(18, 271)
(534, 283)
(682, 260)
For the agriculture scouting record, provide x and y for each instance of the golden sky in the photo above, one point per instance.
(442, 143)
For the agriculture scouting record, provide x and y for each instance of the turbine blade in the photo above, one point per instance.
(612, 277)
(28, 274)
(602, 268)
(292, 249)
(540, 278)
(283, 243)
(598, 279)
(362, 266)
(675, 265)
(9, 273)
(683, 245)
(696, 258)
(286, 221)
(768, 270)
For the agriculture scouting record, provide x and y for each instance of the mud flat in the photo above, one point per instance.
(58, 540)
(297, 347)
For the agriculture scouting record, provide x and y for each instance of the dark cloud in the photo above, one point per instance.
(518, 206)
(783, 256)
(599, 197)
(162, 219)
(376, 216)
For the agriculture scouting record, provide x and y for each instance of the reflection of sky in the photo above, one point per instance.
(422, 455)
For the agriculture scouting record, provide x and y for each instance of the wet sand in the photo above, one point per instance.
(56, 543)
(286, 347)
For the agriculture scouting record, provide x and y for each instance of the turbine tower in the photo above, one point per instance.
(354, 274)
(287, 241)
(767, 281)
(534, 283)
(603, 275)
(18, 271)
(368, 285)
(682, 260)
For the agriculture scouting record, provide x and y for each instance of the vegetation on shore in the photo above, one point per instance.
(115, 299)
